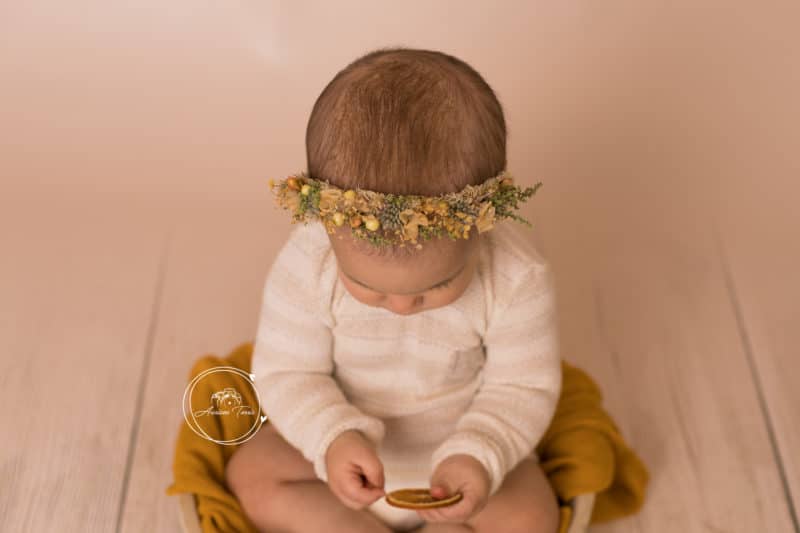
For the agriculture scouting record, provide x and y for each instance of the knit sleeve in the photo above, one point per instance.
(521, 381)
(293, 363)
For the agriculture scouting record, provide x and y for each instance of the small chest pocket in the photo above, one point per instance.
(464, 364)
(449, 369)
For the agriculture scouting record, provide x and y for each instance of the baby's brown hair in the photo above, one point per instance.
(406, 121)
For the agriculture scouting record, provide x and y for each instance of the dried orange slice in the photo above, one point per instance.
(419, 499)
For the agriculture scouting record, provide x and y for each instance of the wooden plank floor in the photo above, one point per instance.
(212, 293)
(102, 315)
(78, 293)
(762, 256)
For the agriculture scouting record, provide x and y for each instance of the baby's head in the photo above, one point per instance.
(406, 121)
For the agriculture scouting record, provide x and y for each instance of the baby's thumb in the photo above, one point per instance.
(373, 470)
(440, 488)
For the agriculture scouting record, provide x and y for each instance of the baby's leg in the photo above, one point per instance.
(279, 491)
(525, 502)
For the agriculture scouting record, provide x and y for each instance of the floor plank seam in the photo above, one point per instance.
(748, 350)
(148, 353)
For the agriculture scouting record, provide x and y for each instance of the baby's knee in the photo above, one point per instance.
(235, 471)
(529, 520)
(525, 503)
(252, 489)
(543, 517)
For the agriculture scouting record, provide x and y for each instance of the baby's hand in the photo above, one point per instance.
(458, 473)
(355, 473)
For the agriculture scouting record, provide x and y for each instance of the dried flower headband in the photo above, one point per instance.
(402, 217)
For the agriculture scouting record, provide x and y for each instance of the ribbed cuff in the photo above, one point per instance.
(478, 446)
(373, 428)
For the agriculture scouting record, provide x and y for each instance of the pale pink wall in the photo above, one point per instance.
(182, 99)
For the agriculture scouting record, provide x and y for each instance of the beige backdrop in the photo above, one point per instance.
(191, 98)
(137, 138)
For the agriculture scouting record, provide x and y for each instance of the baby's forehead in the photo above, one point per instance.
(434, 251)
(439, 261)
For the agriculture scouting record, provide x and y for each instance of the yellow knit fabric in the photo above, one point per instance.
(581, 452)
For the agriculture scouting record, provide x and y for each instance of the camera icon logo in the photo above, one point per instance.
(223, 416)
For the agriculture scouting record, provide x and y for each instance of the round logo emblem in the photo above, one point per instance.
(223, 416)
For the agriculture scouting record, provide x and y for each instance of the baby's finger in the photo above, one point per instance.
(437, 515)
(373, 472)
(364, 495)
(451, 514)
(426, 514)
(367, 496)
(431, 515)
(351, 504)
(353, 488)
(348, 502)
(456, 512)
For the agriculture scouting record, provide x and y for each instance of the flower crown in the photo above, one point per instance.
(401, 217)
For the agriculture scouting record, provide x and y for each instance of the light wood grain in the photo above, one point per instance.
(647, 313)
(646, 310)
(78, 282)
(762, 252)
(217, 265)
(754, 200)
(645, 121)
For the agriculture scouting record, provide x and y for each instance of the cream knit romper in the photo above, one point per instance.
(480, 376)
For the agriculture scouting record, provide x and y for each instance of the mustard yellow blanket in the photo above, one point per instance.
(582, 452)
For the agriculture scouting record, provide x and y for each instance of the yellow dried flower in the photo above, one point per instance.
(328, 199)
(305, 190)
(485, 220)
(411, 221)
(469, 193)
(371, 223)
(350, 194)
(291, 199)
(338, 218)
(361, 204)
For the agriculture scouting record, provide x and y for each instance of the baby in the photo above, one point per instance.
(428, 361)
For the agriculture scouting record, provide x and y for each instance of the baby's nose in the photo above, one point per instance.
(402, 304)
